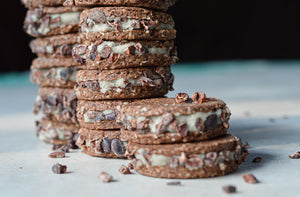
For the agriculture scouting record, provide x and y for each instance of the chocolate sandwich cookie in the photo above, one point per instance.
(55, 132)
(131, 83)
(99, 115)
(152, 4)
(49, 21)
(211, 158)
(126, 23)
(37, 3)
(54, 72)
(165, 121)
(101, 143)
(57, 104)
(114, 54)
(55, 46)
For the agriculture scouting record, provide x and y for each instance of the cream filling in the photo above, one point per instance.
(104, 27)
(87, 119)
(65, 18)
(120, 48)
(162, 160)
(49, 135)
(57, 74)
(190, 120)
(117, 84)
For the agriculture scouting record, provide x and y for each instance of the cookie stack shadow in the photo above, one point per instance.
(55, 30)
(126, 54)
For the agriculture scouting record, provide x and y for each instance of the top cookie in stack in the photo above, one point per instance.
(126, 56)
(56, 29)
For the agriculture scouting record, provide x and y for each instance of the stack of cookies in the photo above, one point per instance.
(180, 137)
(126, 56)
(56, 31)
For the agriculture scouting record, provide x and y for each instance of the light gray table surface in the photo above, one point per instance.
(256, 92)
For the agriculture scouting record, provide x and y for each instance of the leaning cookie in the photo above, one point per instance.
(49, 21)
(125, 54)
(55, 46)
(57, 104)
(37, 3)
(126, 23)
(152, 4)
(54, 72)
(101, 143)
(99, 115)
(55, 132)
(211, 158)
(131, 83)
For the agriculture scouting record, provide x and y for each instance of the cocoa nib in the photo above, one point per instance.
(229, 189)
(174, 183)
(182, 129)
(174, 162)
(124, 170)
(57, 154)
(135, 24)
(295, 155)
(105, 177)
(59, 169)
(257, 160)
(181, 97)
(211, 122)
(249, 178)
(80, 140)
(130, 50)
(68, 3)
(199, 124)
(141, 48)
(199, 97)
(97, 16)
(194, 162)
(118, 147)
(65, 50)
(147, 82)
(106, 145)
(167, 118)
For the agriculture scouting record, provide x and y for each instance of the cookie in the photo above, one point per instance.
(166, 121)
(125, 54)
(55, 46)
(131, 83)
(126, 23)
(55, 132)
(37, 3)
(57, 104)
(152, 4)
(98, 115)
(49, 21)
(205, 159)
(101, 143)
(54, 72)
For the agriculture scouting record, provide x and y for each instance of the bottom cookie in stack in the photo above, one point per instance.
(210, 158)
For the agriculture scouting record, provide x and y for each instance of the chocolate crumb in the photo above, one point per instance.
(124, 170)
(59, 169)
(57, 154)
(257, 160)
(249, 178)
(57, 146)
(295, 155)
(174, 183)
(66, 148)
(130, 166)
(105, 177)
(229, 189)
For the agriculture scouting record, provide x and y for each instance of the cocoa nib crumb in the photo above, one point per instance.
(124, 170)
(295, 155)
(181, 97)
(130, 166)
(57, 154)
(229, 189)
(250, 178)
(257, 160)
(59, 169)
(199, 97)
(105, 177)
(174, 183)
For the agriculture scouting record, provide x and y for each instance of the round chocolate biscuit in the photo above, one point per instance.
(55, 46)
(125, 54)
(57, 104)
(54, 72)
(205, 159)
(131, 83)
(49, 21)
(99, 115)
(37, 3)
(126, 23)
(152, 4)
(55, 132)
(163, 120)
(101, 143)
